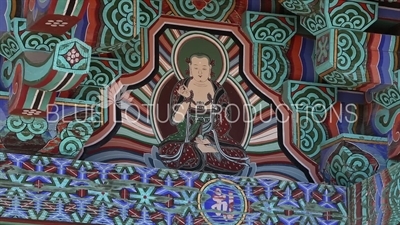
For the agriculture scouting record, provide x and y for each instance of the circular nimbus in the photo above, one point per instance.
(198, 42)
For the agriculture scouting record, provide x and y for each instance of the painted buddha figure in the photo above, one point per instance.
(201, 113)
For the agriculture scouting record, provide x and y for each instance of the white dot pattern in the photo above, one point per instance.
(31, 112)
(73, 56)
(56, 23)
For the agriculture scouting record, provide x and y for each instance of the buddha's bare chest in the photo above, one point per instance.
(202, 94)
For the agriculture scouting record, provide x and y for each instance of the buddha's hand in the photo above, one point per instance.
(198, 141)
(204, 148)
(184, 91)
(202, 141)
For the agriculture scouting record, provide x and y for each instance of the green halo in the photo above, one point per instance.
(199, 45)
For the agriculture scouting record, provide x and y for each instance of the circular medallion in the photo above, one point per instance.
(222, 202)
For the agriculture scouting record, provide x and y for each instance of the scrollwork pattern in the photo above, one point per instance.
(99, 74)
(147, 15)
(96, 119)
(26, 128)
(117, 16)
(312, 98)
(9, 47)
(130, 55)
(299, 7)
(385, 119)
(270, 29)
(312, 134)
(70, 146)
(273, 66)
(15, 124)
(74, 137)
(349, 168)
(80, 129)
(89, 93)
(314, 23)
(7, 73)
(37, 126)
(351, 53)
(41, 41)
(388, 98)
(338, 79)
(351, 15)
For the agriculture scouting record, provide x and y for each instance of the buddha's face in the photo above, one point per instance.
(200, 69)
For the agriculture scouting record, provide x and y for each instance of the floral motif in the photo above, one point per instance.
(73, 56)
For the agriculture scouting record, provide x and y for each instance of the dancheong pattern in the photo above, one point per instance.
(99, 193)
(199, 112)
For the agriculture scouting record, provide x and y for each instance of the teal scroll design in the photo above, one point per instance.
(70, 146)
(351, 56)
(309, 104)
(41, 41)
(312, 99)
(339, 79)
(351, 60)
(312, 133)
(100, 72)
(7, 73)
(148, 14)
(274, 66)
(80, 129)
(270, 29)
(130, 55)
(385, 119)
(349, 168)
(9, 47)
(351, 15)
(74, 137)
(118, 19)
(299, 7)
(315, 23)
(213, 10)
(388, 98)
(26, 128)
